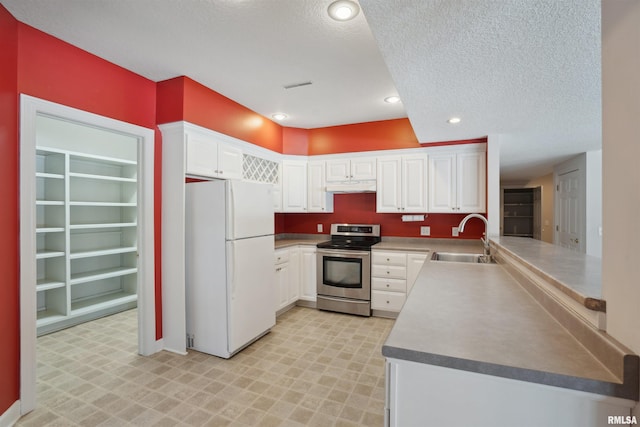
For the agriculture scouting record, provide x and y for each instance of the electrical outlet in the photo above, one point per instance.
(425, 231)
(455, 232)
(319, 228)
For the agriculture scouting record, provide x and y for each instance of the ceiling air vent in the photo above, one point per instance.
(295, 85)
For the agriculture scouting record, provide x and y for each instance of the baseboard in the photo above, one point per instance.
(159, 346)
(11, 415)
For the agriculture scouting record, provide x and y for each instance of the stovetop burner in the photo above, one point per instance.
(355, 237)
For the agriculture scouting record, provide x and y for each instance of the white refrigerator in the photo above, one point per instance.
(230, 278)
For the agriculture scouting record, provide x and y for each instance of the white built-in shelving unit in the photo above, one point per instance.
(86, 236)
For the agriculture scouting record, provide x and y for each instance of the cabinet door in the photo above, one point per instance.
(294, 186)
(363, 169)
(201, 156)
(388, 197)
(229, 162)
(317, 198)
(414, 183)
(471, 182)
(293, 292)
(442, 183)
(308, 288)
(282, 285)
(338, 170)
(415, 261)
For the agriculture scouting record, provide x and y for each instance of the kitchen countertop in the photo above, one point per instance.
(287, 240)
(576, 274)
(429, 245)
(476, 317)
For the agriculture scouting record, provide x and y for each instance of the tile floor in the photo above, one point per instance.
(314, 369)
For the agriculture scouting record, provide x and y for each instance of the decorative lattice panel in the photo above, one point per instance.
(259, 169)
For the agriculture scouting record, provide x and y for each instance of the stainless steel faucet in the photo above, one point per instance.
(485, 239)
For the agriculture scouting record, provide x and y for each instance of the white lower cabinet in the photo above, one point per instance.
(308, 288)
(392, 276)
(295, 268)
(420, 394)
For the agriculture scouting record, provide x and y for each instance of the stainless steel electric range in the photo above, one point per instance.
(344, 268)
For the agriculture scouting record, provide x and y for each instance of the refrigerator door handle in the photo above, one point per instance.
(231, 268)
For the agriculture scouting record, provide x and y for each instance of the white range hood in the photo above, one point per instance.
(352, 187)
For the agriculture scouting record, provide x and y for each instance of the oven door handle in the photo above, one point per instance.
(345, 253)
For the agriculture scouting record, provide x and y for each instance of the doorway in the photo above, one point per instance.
(86, 228)
(569, 221)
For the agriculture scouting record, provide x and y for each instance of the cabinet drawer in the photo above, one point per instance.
(389, 258)
(281, 256)
(390, 301)
(393, 285)
(389, 271)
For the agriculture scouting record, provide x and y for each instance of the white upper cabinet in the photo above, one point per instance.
(318, 200)
(357, 169)
(294, 186)
(402, 184)
(457, 182)
(208, 158)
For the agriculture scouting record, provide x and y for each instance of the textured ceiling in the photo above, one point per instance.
(527, 70)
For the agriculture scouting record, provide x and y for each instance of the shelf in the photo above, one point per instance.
(49, 203)
(102, 301)
(114, 204)
(101, 274)
(49, 229)
(49, 175)
(102, 252)
(104, 225)
(48, 254)
(518, 235)
(47, 284)
(101, 177)
(48, 316)
(517, 204)
(517, 216)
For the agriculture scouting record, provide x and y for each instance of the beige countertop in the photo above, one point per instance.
(476, 317)
(288, 240)
(429, 245)
(576, 274)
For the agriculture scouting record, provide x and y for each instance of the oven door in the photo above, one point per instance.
(344, 273)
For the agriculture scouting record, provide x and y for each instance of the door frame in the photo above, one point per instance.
(30, 108)
(577, 165)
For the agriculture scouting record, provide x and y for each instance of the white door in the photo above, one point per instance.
(569, 217)
(414, 184)
(363, 169)
(294, 186)
(251, 286)
(388, 197)
(338, 170)
(229, 162)
(202, 157)
(249, 209)
(471, 182)
(442, 183)
(316, 194)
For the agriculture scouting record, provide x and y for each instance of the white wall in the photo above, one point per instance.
(621, 173)
(593, 226)
(493, 185)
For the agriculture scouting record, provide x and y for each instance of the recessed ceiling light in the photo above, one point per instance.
(343, 10)
(279, 116)
(392, 99)
(454, 120)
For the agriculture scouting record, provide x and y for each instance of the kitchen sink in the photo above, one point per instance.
(461, 257)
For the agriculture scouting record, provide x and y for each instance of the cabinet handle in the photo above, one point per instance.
(387, 285)
(388, 259)
(388, 272)
(387, 302)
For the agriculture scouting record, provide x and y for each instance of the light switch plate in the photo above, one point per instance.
(454, 231)
(319, 228)
(425, 231)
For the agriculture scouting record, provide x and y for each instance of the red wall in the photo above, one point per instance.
(9, 214)
(381, 135)
(361, 208)
(204, 107)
